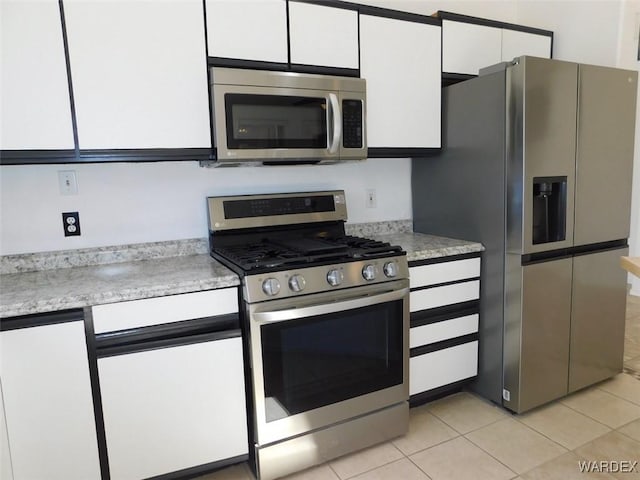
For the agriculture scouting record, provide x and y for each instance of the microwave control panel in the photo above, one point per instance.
(352, 124)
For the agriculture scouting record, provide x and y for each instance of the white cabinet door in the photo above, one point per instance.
(173, 408)
(139, 73)
(516, 44)
(247, 30)
(401, 61)
(6, 472)
(35, 110)
(48, 403)
(466, 47)
(323, 36)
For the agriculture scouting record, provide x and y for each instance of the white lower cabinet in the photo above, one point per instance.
(444, 305)
(443, 366)
(6, 472)
(173, 408)
(48, 403)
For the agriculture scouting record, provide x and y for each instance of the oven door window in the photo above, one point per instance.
(275, 121)
(316, 361)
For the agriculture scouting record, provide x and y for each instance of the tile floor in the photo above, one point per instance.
(464, 437)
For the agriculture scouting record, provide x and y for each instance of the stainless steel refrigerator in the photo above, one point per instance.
(537, 165)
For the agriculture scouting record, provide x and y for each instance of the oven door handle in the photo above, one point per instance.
(326, 308)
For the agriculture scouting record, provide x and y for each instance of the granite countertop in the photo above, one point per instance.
(51, 281)
(421, 246)
(59, 289)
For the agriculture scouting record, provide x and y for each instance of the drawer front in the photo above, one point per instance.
(444, 295)
(444, 330)
(442, 367)
(445, 272)
(173, 308)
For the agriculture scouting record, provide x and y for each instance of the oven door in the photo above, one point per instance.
(255, 123)
(325, 358)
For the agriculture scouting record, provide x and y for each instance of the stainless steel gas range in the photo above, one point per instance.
(325, 320)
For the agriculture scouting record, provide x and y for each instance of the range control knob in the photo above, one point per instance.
(390, 269)
(369, 272)
(297, 283)
(271, 287)
(335, 277)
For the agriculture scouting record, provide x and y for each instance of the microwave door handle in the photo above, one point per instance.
(337, 123)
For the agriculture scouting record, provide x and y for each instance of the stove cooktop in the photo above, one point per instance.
(295, 252)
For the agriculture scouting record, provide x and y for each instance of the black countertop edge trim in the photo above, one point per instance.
(444, 344)
(230, 321)
(450, 258)
(402, 152)
(491, 23)
(445, 284)
(319, 70)
(145, 346)
(442, 314)
(246, 64)
(438, 392)
(41, 319)
(22, 157)
(560, 253)
(194, 472)
(96, 394)
(375, 11)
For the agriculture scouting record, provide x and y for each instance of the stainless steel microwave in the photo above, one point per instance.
(287, 117)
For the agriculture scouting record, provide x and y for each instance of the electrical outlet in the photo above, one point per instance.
(371, 198)
(71, 224)
(67, 182)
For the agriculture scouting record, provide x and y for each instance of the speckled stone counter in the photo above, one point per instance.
(420, 246)
(50, 281)
(59, 289)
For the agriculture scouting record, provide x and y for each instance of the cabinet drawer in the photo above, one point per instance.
(444, 295)
(443, 367)
(444, 330)
(436, 273)
(173, 308)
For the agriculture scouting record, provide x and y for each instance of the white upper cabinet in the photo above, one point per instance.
(323, 36)
(247, 30)
(139, 73)
(516, 44)
(35, 110)
(467, 47)
(401, 61)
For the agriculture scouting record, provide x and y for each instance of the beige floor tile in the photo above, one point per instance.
(399, 470)
(603, 407)
(613, 446)
(565, 467)
(235, 472)
(460, 459)
(425, 430)
(631, 430)
(465, 412)
(517, 446)
(365, 460)
(321, 472)
(623, 386)
(563, 425)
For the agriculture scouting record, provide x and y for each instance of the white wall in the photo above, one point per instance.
(146, 202)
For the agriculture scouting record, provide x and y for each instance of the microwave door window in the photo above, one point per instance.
(275, 121)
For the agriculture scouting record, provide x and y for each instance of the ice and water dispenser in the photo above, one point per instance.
(549, 209)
